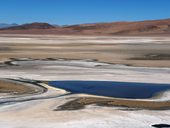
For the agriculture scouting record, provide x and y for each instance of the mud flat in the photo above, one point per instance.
(14, 88)
(81, 103)
(17, 90)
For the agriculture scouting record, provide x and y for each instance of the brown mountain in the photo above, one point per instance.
(125, 28)
(35, 25)
(150, 27)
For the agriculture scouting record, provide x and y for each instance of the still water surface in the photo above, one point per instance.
(112, 89)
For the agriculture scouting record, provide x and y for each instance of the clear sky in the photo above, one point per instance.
(64, 12)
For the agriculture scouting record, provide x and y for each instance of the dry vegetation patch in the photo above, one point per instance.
(15, 88)
(80, 103)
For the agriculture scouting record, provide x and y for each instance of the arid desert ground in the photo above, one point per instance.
(29, 62)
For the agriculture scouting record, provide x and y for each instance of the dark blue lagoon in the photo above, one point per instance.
(112, 89)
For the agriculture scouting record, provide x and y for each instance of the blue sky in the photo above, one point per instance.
(64, 12)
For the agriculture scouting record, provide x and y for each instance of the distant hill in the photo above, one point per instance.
(125, 28)
(150, 27)
(5, 25)
(30, 26)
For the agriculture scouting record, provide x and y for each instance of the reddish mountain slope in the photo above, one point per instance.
(125, 28)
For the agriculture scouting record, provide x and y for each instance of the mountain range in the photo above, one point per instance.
(147, 27)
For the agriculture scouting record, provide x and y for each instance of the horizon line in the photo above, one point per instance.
(85, 22)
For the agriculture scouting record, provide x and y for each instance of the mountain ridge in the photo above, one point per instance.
(113, 28)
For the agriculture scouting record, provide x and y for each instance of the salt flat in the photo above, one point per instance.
(117, 50)
(82, 58)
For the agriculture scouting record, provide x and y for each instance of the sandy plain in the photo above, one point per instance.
(117, 50)
(46, 58)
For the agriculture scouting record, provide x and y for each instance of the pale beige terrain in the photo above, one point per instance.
(137, 51)
(46, 58)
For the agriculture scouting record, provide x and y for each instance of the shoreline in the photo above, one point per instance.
(81, 101)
